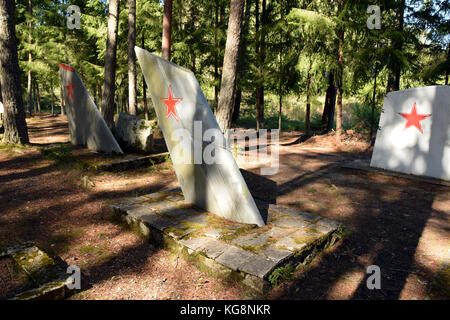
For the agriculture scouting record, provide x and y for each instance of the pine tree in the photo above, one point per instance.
(14, 117)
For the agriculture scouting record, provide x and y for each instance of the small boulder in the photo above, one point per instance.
(134, 133)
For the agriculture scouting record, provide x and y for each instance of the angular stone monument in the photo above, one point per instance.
(414, 133)
(184, 117)
(86, 125)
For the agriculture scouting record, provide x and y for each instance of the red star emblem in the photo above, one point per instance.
(69, 88)
(171, 102)
(413, 119)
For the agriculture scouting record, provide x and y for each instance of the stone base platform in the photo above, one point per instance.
(48, 279)
(258, 257)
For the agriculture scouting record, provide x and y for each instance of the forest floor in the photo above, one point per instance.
(400, 225)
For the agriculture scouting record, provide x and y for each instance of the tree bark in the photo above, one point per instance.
(340, 90)
(144, 85)
(61, 97)
(132, 99)
(241, 61)
(395, 65)
(330, 104)
(52, 98)
(30, 60)
(228, 85)
(261, 57)
(14, 114)
(109, 86)
(167, 29)
(308, 101)
(38, 96)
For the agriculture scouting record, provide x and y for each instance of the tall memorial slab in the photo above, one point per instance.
(414, 133)
(86, 125)
(187, 121)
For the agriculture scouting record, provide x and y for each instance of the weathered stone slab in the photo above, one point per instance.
(290, 222)
(50, 279)
(184, 117)
(414, 134)
(134, 133)
(86, 125)
(215, 244)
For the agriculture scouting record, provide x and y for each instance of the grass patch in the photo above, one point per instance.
(281, 274)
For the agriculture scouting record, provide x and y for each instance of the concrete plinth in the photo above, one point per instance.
(224, 248)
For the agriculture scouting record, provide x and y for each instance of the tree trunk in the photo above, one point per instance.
(38, 96)
(340, 75)
(34, 96)
(237, 106)
(395, 65)
(132, 99)
(228, 85)
(144, 85)
(167, 29)
(30, 60)
(241, 61)
(14, 114)
(280, 114)
(52, 100)
(109, 86)
(330, 104)
(308, 101)
(261, 56)
(372, 118)
(61, 97)
(447, 70)
(99, 94)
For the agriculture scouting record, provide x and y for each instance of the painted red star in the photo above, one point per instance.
(413, 118)
(69, 88)
(171, 102)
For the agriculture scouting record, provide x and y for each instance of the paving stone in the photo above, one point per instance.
(214, 248)
(234, 257)
(258, 266)
(276, 254)
(311, 217)
(297, 240)
(175, 197)
(197, 217)
(159, 205)
(328, 223)
(213, 233)
(157, 221)
(251, 240)
(290, 222)
(194, 243)
(258, 240)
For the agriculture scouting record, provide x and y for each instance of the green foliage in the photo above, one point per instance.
(282, 274)
(300, 43)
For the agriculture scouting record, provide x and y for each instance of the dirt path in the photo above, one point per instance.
(398, 224)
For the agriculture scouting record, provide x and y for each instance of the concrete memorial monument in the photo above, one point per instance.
(414, 133)
(86, 125)
(187, 121)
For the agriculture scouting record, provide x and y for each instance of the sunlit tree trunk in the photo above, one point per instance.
(109, 86)
(167, 29)
(30, 60)
(11, 91)
(132, 100)
(228, 85)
